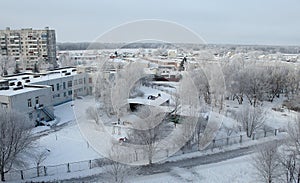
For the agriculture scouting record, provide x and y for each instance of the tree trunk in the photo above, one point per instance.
(2, 175)
(298, 179)
(38, 170)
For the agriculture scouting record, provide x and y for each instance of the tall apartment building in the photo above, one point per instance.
(28, 45)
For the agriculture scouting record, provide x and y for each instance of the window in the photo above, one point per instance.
(64, 85)
(75, 82)
(90, 80)
(36, 100)
(4, 105)
(52, 86)
(80, 81)
(70, 92)
(69, 83)
(57, 86)
(30, 116)
(65, 94)
(29, 103)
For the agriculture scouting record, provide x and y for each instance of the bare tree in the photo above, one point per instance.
(187, 129)
(292, 86)
(294, 134)
(235, 82)
(16, 139)
(7, 64)
(251, 119)
(39, 158)
(277, 77)
(116, 170)
(290, 157)
(148, 131)
(174, 108)
(291, 165)
(66, 61)
(103, 86)
(256, 84)
(200, 127)
(202, 84)
(267, 163)
(93, 114)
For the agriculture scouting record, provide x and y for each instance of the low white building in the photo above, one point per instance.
(35, 94)
(32, 100)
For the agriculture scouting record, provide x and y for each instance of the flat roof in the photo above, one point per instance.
(40, 77)
(25, 89)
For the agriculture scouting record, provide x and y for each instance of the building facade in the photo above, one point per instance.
(36, 94)
(31, 100)
(29, 46)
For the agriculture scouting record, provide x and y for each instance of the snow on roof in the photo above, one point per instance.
(27, 88)
(28, 79)
(150, 91)
(34, 78)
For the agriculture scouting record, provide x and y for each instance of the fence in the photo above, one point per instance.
(219, 143)
(41, 171)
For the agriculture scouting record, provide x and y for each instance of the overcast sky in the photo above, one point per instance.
(272, 22)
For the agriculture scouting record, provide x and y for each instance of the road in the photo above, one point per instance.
(185, 163)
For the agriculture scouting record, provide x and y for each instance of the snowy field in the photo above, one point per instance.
(66, 144)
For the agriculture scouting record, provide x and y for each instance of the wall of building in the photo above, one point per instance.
(29, 46)
(31, 103)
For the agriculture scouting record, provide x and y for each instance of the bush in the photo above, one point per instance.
(293, 104)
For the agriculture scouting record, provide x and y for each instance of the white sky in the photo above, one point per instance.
(217, 21)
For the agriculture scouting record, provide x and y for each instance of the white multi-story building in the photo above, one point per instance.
(29, 46)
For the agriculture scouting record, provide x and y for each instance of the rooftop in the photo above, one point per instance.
(35, 78)
(25, 82)
(24, 89)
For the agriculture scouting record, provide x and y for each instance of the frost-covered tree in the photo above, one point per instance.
(117, 171)
(201, 82)
(199, 130)
(93, 114)
(148, 131)
(256, 84)
(16, 139)
(251, 119)
(65, 60)
(125, 81)
(292, 86)
(291, 154)
(267, 163)
(7, 65)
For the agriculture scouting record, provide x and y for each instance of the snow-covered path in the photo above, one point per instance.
(191, 169)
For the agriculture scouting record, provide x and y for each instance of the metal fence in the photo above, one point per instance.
(18, 175)
(239, 139)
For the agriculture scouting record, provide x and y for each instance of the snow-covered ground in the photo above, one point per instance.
(66, 144)
(69, 143)
(237, 170)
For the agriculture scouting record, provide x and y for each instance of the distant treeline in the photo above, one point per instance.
(238, 48)
(92, 46)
